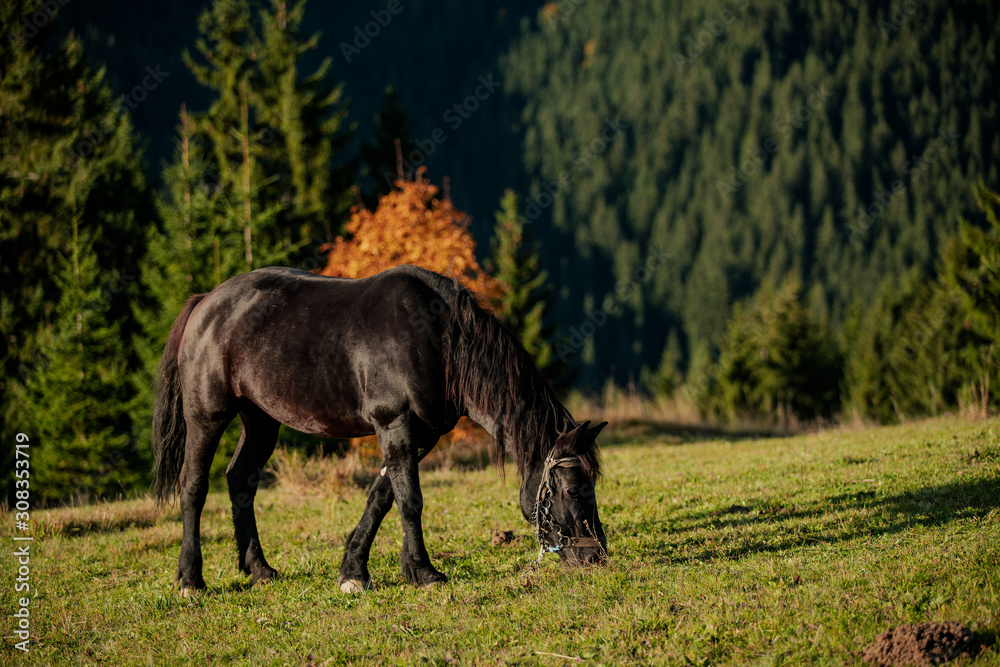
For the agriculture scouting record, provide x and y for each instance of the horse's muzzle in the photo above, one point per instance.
(584, 556)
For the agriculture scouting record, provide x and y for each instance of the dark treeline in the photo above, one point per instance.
(778, 207)
(838, 141)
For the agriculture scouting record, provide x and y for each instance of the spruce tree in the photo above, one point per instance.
(977, 279)
(277, 137)
(870, 335)
(304, 162)
(702, 383)
(237, 138)
(970, 275)
(79, 392)
(794, 159)
(67, 151)
(934, 346)
(525, 289)
(382, 155)
(667, 379)
(776, 363)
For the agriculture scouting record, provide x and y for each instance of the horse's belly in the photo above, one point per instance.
(315, 405)
(325, 423)
(328, 427)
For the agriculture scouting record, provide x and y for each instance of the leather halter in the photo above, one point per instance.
(543, 511)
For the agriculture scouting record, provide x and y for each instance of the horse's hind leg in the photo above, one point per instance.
(260, 432)
(202, 441)
(354, 576)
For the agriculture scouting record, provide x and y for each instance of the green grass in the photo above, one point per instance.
(768, 551)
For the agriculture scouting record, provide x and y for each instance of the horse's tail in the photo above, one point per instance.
(169, 430)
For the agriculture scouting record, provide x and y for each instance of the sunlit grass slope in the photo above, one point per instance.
(723, 551)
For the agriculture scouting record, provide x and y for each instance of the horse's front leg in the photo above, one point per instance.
(401, 459)
(354, 576)
(413, 558)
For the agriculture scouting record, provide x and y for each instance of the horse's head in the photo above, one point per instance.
(558, 497)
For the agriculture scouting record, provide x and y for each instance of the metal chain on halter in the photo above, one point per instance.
(544, 522)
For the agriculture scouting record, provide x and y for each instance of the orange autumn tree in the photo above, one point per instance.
(411, 225)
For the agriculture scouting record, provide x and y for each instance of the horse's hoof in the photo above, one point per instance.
(353, 586)
(263, 577)
(188, 591)
(431, 585)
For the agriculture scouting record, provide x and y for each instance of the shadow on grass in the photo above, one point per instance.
(108, 519)
(215, 591)
(924, 507)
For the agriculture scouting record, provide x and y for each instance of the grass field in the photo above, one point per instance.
(723, 551)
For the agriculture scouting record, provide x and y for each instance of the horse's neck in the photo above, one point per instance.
(493, 423)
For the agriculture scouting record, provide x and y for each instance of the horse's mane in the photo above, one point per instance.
(489, 370)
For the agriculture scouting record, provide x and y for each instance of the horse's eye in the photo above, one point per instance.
(572, 493)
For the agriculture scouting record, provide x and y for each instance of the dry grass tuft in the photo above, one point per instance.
(617, 405)
(465, 448)
(630, 414)
(322, 475)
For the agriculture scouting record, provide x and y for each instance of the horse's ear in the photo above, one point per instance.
(594, 432)
(566, 442)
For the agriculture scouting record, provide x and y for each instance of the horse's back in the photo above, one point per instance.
(324, 355)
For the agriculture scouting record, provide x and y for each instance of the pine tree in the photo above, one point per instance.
(392, 138)
(67, 150)
(525, 290)
(79, 392)
(776, 363)
(236, 136)
(306, 115)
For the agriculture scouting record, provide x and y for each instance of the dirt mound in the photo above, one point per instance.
(502, 537)
(922, 644)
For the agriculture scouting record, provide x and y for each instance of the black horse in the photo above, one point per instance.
(402, 354)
